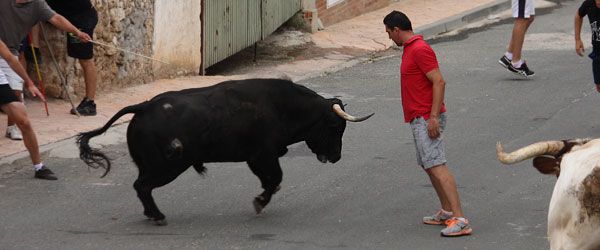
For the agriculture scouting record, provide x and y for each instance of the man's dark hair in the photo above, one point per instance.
(397, 19)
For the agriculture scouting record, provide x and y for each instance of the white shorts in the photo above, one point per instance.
(3, 79)
(14, 80)
(523, 8)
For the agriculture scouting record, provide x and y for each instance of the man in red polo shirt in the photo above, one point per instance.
(422, 89)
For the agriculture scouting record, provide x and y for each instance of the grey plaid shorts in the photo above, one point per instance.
(430, 152)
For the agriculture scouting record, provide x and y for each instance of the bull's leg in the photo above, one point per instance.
(270, 175)
(144, 193)
(146, 183)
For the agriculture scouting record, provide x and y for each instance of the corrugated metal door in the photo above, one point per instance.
(277, 12)
(229, 26)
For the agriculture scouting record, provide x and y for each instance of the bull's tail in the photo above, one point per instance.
(93, 157)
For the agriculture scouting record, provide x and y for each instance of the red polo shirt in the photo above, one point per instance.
(416, 90)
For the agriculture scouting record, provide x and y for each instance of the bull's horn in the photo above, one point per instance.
(341, 113)
(524, 153)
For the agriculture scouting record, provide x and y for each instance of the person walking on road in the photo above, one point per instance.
(523, 11)
(590, 8)
(422, 91)
(83, 15)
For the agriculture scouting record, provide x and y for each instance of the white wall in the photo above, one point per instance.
(177, 33)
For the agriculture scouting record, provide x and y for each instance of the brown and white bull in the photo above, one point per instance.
(574, 212)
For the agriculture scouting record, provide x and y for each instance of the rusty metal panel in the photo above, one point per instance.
(254, 21)
(229, 26)
(225, 29)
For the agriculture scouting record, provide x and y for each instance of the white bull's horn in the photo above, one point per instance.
(524, 153)
(341, 113)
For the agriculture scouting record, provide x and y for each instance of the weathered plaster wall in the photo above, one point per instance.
(177, 34)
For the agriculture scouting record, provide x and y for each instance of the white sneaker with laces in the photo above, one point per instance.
(13, 133)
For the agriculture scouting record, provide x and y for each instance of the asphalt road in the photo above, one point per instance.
(375, 196)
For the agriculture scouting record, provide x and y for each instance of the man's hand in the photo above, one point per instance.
(83, 36)
(433, 127)
(35, 91)
(64, 24)
(579, 47)
(598, 88)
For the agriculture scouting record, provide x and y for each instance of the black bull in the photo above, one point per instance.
(250, 120)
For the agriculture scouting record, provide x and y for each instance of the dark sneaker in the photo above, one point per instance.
(45, 174)
(456, 227)
(504, 61)
(522, 71)
(87, 107)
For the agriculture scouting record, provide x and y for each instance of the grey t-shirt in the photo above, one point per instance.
(17, 19)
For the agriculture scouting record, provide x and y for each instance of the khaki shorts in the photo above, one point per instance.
(430, 152)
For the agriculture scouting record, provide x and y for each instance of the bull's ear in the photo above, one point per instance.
(547, 164)
(336, 100)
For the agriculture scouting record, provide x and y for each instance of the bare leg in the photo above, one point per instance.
(440, 193)
(515, 45)
(445, 185)
(89, 75)
(9, 120)
(16, 112)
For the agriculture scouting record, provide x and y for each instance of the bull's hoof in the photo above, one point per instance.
(162, 222)
(259, 204)
(158, 222)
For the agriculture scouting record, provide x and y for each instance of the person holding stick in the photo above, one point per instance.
(28, 49)
(83, 15)
(18, 17)
(10, 104)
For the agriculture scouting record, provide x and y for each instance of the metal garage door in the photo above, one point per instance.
(229, 26)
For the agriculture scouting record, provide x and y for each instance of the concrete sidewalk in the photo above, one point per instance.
(362, 35)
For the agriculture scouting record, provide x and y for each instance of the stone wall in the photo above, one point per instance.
(124, 24)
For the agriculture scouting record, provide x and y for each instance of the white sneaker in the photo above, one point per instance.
(13, 133)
